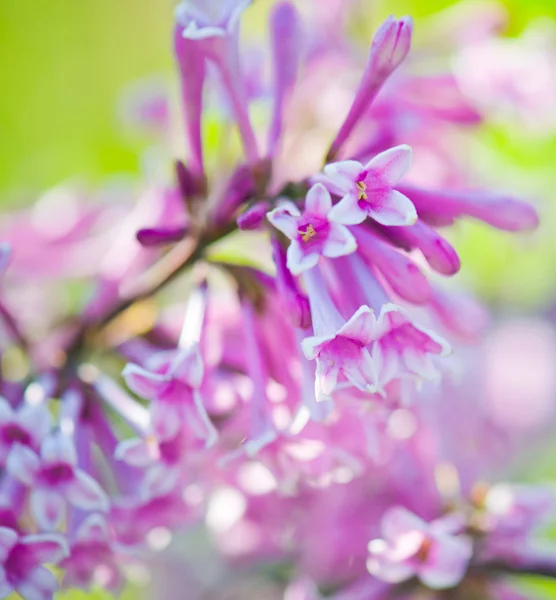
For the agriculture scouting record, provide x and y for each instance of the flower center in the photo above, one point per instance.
(362, 187)
(307, 233)
(424, 551)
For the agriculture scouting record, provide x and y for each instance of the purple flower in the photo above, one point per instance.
(368, 190)
(171, 381)
(54, 478)
(5, 253)
(92, 559)
(22, 559)
(400, 346)
(312, 233)
(412, 547)
(338, 347)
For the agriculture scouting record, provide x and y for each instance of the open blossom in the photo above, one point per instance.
(338, 347)
(401, 346)
(368, 190)
(92, 559)
(22, 558)
(412, 547)
(171, 381)
(54, 478)
(312, 233)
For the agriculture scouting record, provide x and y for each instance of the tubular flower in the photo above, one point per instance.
(257, 362)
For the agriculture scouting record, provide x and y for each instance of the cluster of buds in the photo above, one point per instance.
(298, 408)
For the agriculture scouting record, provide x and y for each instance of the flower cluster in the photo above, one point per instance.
(307, 407)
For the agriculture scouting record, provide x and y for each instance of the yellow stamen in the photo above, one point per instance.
(362, 190)
(308, 233)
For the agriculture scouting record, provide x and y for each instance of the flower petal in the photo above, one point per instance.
(93, 529)
(166, 420)
(348, 211)
(137, 452)
(394, 209)
(399, 521)
(144, 383)
(299, 260)
(284, 218)
(59, 448)
(188, 366)
(318, 200)
(39, 584)
(85, 492)
(22, 464)
(339, 241)
(36, 419)
(360, 327)
(392, 164)
(343, 174)
(446, 563)
(48, 508)
(8, 538)
(313, 345)
(46, 548)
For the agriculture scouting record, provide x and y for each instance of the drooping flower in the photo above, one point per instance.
(171, 380)
(338, 347)
(368, 190)
(412, 547)
(312, 233)
(400, 346)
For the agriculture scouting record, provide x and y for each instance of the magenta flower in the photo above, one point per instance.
(171, 381)
(54, 478)
(400, 346)
(22, 559)
(92, 559)
(368, 190)
(28, 425)
(412, 547)
(313, 234)
(338, 347)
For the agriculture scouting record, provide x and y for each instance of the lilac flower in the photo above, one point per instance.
(412, 547)
(171, 381)
(54, 478)
(22, 558)
(368, 190)
(28, 425)
(312, 233)
(401, 346)
(338, 347)
(92, 559)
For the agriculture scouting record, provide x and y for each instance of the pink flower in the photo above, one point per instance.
(412, 547)
(22, 559)
(312, 234)
(54, 479)
(338, 347)
(92, 560)
(368, 190)
(171, 381)
(28, 425)
(401, 346)
(344, 353)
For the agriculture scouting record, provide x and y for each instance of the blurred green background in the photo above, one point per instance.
(64, 64)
